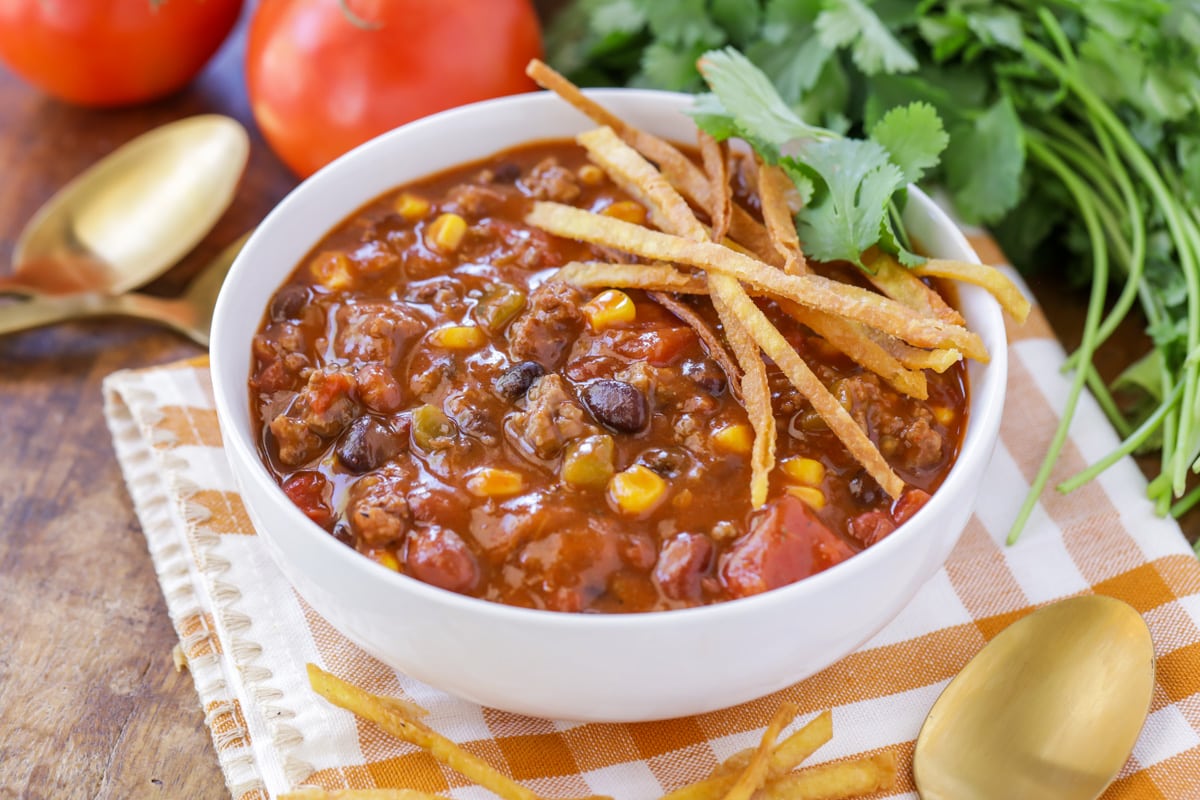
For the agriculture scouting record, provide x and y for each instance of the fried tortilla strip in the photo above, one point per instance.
(627, 169)
(392, 718)
(855, 341)
(835, 781)
(773, 188)
(938, 360)
(707, 336)
(756, 390)
(755, 773)
(673, 214)
(651, 277)
(360, 794)
(713, 155)
(803, 743)
(1000, 286)
(809, 385)
(789, 753)
(677, 168)
(900, 283)
(850, 337)
(810, 290)
(786, 756)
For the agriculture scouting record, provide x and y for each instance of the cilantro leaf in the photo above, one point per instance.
(894, 239)
(856, 180)
(740, 18)
(617, 16)
(984, 162)
(671, 67)
(750, 99)
(914, 138)
(683, 22)
(851, 23)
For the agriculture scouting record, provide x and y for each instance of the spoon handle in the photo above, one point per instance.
(40, 312)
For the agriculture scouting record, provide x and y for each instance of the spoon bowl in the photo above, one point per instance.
(134, 214)
(1049, 710)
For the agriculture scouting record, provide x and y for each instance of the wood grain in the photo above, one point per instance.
(90, 704)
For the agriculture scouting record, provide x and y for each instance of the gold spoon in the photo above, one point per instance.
(190, 314)
(135, 213)
(1048, 710)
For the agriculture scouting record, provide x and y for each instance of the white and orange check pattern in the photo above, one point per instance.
(247, 635)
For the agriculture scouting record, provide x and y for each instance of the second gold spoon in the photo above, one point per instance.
(1048, 710)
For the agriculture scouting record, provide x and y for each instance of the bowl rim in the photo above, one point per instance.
(985, 406)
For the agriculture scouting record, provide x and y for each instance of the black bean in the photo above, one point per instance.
(367, 445)
(865, 491)
(617, 405)
(506, 172)
(288, 302)
(514, 382)
(669, 462)
(707, 375)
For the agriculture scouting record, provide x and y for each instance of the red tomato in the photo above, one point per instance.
(324, 78)
(112, 52)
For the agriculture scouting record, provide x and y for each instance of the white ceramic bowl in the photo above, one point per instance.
(572, 666)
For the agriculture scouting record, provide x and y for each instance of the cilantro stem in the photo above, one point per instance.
(1128, 446)
(1106, 402)
(1084, 199)
(1185, 246)
(1186, 504)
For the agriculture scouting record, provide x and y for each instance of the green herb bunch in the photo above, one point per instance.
(1073, 133)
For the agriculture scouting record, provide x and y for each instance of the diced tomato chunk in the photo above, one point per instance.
(334, 387)
(658, 346)
(870, 526)
(786, 542)
(909, 503)
(311, 493)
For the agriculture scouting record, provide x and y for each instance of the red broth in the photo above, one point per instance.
(433, 398)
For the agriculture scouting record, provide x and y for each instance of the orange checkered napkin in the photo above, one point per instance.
(247, 635)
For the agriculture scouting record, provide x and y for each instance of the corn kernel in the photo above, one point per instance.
(626, 210)
(736, 438)
(813, 498)
(492, 482)
(332, 270)
(388, 559)
(588, 462)
(807, 471)
(609, 309)
(446, 232)
(637, 490)
(943, 415)
(458, 337)
(411, 207)
(591, 175)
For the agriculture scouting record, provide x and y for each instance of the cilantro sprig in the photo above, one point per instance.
(850, 187)
(1074, 133)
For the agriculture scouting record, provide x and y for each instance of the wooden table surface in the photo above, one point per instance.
(90, 703)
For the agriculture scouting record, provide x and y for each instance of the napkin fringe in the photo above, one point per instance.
(244, 651)
(156, 477)
(133, 417)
